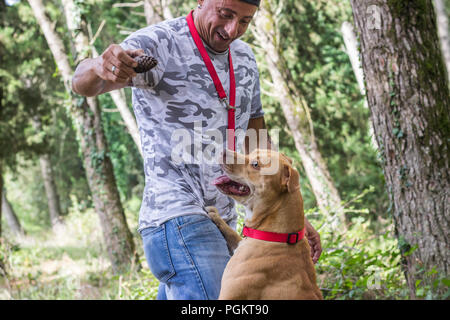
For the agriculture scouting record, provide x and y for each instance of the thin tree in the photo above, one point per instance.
(51, 192)
(444, 36)
(351, 48)
(408, 95)
(10, 216)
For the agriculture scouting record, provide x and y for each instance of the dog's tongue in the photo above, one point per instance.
(221, 180)
(230, 187)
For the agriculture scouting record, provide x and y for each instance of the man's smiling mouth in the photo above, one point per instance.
(223, 37)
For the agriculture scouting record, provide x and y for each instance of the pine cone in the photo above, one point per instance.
(145, 63)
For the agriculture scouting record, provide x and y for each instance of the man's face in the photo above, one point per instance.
(220, 22)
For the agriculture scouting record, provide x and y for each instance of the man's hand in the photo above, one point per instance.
(314, 241)
(116, 65)
(95, 76)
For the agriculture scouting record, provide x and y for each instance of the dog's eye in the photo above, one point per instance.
(255, 164)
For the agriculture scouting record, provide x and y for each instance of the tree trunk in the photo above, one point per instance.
(296, 112)
(117, 236)
(408, 96)
(87, 122)
(442, 23)
(51, 192)
(11, 217)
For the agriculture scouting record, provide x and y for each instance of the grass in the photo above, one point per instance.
(71, 262)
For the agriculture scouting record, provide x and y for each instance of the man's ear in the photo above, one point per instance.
(290, 178)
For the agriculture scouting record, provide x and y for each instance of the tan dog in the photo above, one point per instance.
(261, 269)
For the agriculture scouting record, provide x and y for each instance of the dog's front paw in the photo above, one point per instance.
(229, 234)
(214, 214)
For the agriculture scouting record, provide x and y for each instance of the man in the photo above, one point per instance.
(183, 247)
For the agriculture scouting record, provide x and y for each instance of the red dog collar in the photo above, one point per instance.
(290, 238)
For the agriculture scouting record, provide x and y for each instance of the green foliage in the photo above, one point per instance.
(430, 290)
(35, 91)
(360, 264)
(20, 94)
(32, 213)
(68, 167)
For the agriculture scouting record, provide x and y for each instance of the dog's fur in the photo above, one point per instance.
(261, 269)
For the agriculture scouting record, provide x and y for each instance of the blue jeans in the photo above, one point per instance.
(188, 255)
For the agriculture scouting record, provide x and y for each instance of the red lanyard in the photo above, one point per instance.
(212, 71)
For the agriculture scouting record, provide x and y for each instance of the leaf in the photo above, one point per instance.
(446, 295)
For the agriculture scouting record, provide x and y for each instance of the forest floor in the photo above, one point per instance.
(71, 263)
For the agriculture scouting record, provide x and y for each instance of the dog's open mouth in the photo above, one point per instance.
(230, 187)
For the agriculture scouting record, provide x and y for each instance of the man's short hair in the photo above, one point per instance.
(254, 2)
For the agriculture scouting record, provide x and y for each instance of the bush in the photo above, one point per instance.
(359, 264)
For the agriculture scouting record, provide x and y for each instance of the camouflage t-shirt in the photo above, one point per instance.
(177, 100)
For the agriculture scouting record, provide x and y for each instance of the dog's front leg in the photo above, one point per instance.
(231, 236)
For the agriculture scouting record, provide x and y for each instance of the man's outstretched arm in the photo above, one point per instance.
(95, 76)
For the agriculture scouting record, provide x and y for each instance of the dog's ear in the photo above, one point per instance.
(287, 158)
(290, 178)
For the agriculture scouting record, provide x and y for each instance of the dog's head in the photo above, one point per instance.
(262, 176)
